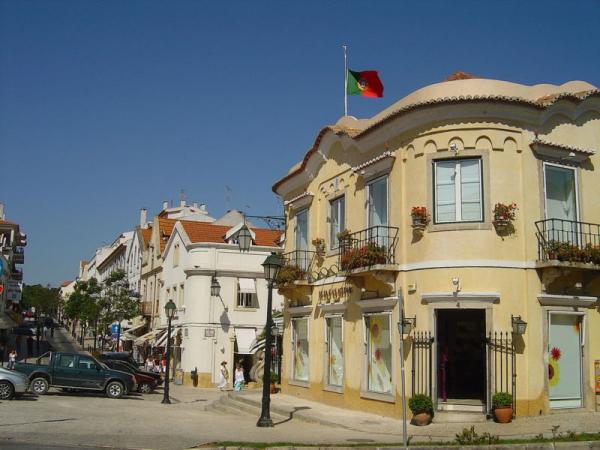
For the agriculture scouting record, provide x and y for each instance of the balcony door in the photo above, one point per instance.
(301, 239)
(560, 190)
(377, 211)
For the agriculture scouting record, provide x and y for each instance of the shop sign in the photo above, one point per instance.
(334, 294)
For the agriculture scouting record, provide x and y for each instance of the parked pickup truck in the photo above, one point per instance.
(75, 371)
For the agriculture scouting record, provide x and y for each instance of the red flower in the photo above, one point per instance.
(555, 352)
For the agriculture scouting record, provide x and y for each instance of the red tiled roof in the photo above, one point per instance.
(207, 232)
(165, 228)
(146, 235)
(65, 283)
(460, 75)
(8, 222)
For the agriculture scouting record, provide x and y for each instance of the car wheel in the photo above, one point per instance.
(7, 391)
(115, 389)
(145, 388)
(39, 386)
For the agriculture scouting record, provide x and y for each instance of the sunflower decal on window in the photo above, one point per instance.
(553, 367)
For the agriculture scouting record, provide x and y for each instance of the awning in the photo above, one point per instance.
(247, 286)
(244, 338)
(134, 329)
(161, 340)
(148, 337)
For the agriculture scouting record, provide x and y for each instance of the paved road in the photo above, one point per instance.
(142, 422)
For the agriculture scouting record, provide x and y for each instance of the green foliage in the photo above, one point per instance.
(44, 299)
(364, 256)
(274, 378)
(469, 436)
(290, 273)
(420, 403)
(502, 400)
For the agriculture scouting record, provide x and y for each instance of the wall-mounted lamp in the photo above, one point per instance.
(456, 283)
(406, 325)
(215, 287)
(518, 325)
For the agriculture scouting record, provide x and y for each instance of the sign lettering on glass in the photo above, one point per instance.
(209, 332)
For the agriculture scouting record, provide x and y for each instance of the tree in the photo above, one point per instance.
(118, 302)
(44, 299)
(84, 305)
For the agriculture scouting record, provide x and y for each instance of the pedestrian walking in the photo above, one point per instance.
(12, 359)
(224, 376)
(238, 379)
(150, 364)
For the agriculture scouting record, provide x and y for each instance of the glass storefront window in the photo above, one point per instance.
(379, 353)
(300, 349)
(335, 353)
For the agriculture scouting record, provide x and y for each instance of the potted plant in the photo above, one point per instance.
(290, 273)
(551, 248)
(367, 255)
(319, 244)
(422, 409)
(420, 217)
(274, 379)
(504, 215)
(503, 410)
(343, 238)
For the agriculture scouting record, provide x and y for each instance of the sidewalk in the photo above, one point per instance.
(62, 341)
(525, 427)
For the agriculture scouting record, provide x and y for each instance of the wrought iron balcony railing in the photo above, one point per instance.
(568, 240)
(296, 266)
(368, 247)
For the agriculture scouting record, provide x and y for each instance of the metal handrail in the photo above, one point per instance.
(299, 260)
(553, 232)
(373, 245)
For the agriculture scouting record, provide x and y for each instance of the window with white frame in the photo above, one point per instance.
(175, 298)
(377, 205)
(300, 349)
(337, 221)
(181, 297)
(458, 190)
(379, 353)
(302, 230)
(246, 293)
(176, 255)
(335, 352)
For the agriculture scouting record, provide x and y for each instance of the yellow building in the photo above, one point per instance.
(418, 186)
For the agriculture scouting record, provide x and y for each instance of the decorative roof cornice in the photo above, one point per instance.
(384, 155)
(569, 148)
(298, 197)
(564, 153)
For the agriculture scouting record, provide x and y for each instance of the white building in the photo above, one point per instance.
(208, 329)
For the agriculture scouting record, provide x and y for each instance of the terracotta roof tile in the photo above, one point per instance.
(460, 75)
(65, 283)
(146, 235)
(207, 232)
(165, 228)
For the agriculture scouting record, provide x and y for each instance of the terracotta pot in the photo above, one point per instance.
(421, 419)
(503, 415)
(273, 388)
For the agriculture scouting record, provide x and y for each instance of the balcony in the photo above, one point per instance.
(17, 275)
(367, 250)
(19, 256)
(296, 267)
(568, 243)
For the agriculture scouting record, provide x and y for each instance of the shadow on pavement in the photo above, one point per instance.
(296, 409)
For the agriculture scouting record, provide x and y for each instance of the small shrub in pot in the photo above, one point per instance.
(422, 409)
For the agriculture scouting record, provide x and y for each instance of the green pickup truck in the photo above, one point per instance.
(75, 371)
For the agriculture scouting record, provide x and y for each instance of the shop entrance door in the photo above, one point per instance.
(564, 362)
(461, 373)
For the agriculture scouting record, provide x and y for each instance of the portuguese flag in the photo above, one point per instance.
(366, 83)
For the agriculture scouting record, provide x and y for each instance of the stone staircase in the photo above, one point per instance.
(237, 404)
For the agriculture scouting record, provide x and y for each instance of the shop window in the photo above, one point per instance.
(458, 191)
(335, 352)
(379, 353)
(300, 349)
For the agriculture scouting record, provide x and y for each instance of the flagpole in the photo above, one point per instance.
(345, 80)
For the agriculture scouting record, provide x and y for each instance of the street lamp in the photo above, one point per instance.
(272, 265)
(215, 287)
(170, 309)
(244, 238)
(518, 325)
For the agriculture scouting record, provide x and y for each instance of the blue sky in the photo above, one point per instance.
(109, 106)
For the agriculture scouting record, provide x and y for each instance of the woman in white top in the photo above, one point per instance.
(238, 379)
(224, 376)
(149, 364)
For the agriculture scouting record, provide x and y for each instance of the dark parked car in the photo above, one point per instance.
(75, 371)
(133, 367)
(146, 381)
(119, 356)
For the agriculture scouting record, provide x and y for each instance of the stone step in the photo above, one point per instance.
(251, 407)
(459, 417)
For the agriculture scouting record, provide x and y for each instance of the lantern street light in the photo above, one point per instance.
(518, 325)
(215, 287)
(170, 309)
(272, 265)
(244, 238)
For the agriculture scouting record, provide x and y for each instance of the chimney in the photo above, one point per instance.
(143, 217)
(1, 211)
(165, 205)
(182, 203)
(203, 207)
(196, 205)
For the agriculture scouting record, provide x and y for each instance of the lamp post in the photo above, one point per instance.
(271, 265)
(404, 328)
(518, 325)
(170, 313)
